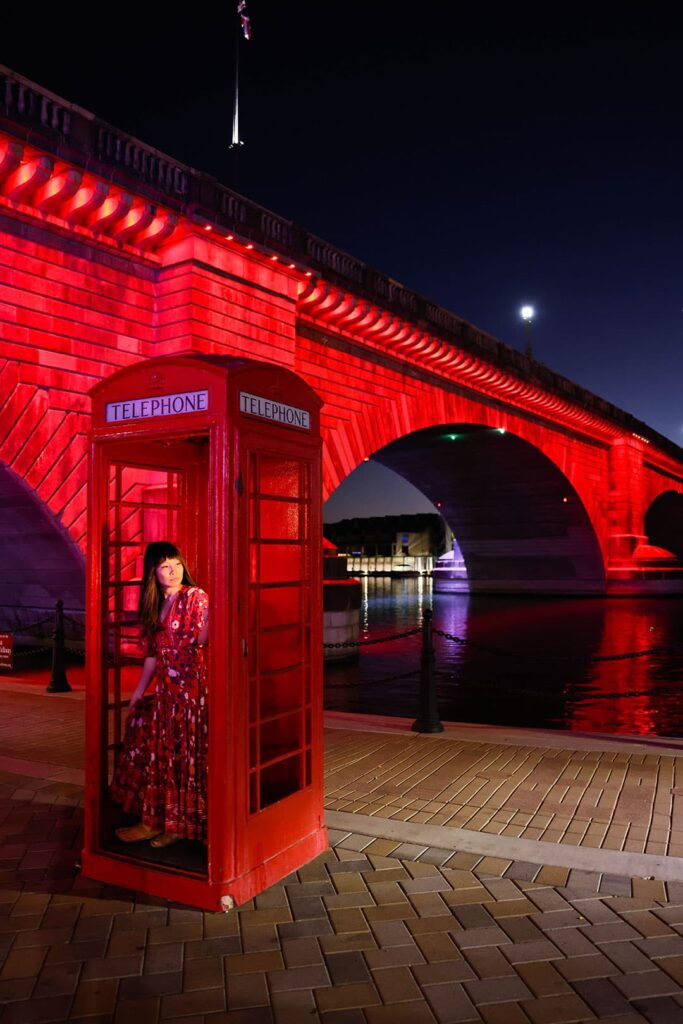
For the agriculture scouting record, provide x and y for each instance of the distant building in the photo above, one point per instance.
(388, 545)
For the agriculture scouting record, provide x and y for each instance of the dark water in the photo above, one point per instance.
(544, 681)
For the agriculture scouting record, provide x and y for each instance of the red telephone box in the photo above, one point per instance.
(221, 457)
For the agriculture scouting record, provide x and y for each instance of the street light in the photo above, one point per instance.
(527, 314)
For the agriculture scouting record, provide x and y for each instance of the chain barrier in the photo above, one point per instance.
(47, 645)
(53, 641)
(374, 682)
(426, 629)
(34, 625)
(428, 715)
(25, 652)
(669, 691)
(463, 642)
(554, 657)
(75, 622)
(23, 630)
(376, 640)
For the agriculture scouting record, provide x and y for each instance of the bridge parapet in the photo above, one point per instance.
(31, 104)
(491, 367)
(142, 160)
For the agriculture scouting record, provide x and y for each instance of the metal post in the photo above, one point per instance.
(428, 713)
(58, 681)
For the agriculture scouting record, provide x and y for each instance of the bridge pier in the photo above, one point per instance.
(634, 565)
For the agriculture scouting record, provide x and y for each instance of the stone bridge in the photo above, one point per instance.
(112, 252)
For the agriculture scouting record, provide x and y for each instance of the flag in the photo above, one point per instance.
(244, 18)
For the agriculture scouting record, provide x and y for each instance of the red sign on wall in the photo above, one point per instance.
(6, 652)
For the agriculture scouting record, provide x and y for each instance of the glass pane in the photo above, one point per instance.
(280, 736)
(280, 780)
(280, 692)
(279, 476)
(276, 606)
(253, 793)
(280, 520)
(280, 563)
(253, 519)
(281, 649)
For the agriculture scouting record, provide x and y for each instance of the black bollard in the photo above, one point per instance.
(428, 713)
(58, 681)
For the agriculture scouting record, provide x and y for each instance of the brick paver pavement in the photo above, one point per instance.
(614, 799)
(610, 799)
(362, 935)
(41, 727)
(375, 930)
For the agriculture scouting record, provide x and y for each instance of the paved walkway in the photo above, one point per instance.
(521, 789)
(392, 924)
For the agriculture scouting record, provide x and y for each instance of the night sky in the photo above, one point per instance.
(484, 160)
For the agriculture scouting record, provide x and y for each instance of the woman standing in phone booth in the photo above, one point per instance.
(161, 773)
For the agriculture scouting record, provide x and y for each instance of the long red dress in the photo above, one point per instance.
(162, 771)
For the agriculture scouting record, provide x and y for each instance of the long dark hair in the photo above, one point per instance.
(151, 594)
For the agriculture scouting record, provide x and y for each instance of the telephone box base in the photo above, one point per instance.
(131, 873)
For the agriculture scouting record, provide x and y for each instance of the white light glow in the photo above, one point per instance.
(527, 312)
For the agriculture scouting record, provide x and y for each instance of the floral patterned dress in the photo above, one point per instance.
(162, 771)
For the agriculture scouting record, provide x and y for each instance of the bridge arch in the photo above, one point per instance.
(40, 562)
(519, 521)
(568, 552)
(664, 522)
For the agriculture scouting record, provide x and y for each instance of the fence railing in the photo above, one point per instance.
(427, 719)
(53, 639)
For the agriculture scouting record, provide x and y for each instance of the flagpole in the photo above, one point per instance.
(242, 27)
(236, 142)
(236, 109)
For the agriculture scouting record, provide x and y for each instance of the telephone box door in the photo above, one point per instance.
(149, 495)
(279, 577)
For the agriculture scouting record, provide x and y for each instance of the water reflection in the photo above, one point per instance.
(540, 674)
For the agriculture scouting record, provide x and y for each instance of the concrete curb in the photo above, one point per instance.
(613, 862)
